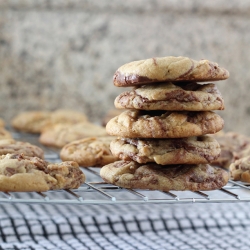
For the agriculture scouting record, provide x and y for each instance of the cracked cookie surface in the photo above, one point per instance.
(93, 151)
(172, 96)
(164, 124)
(129, 174)
(163, 69)
(191, 150)
(20, 173)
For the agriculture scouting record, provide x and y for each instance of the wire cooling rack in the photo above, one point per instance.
(95, 191)
(99, 192)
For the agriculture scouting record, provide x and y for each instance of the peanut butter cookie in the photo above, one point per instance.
(10, 146)
(240, 169)
(129, 174)
(58, 135)
(172, 96)
(165, 69)
(20, 173)
(164, 124)
(92, 151)
(191, 150)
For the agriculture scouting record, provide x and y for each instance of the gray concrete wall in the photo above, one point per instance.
(56, 54)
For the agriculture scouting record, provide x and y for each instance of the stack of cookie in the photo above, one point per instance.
(163, 142)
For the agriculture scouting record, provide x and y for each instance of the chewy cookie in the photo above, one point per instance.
(92, 151)
(233, 146)
(164, 124)
(129, 174)
(19, 173)
(172, 96)
(58, 135)
(10, 146)
(168, 69)
(240, 169)
(191, 150)
(36, 121)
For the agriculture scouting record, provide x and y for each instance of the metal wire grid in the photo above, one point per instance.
(99, 192)
(95, 191)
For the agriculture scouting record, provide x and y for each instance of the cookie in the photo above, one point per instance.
(240, 169)
(67, 116)
(233, 146)
(172, 97)
(58, 135)
(165, 69)
(191, 150)
(31, 121)
(36, 121)
(4, 134)
(10, 146)
(19, 173)
(164, 124)
(129, 174)
(242, 153)
(92, 151)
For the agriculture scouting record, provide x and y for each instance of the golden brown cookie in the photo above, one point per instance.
(67, 116)
(92, 151)
(233, 146)
(165, 69)
(191, 150)
(31, 121)
(10, 146)
(58, 135)
(4, 134)
(19, 173)
(240, 169)
(172, 96)
(164, 124)
(129, 174)
(36, 121)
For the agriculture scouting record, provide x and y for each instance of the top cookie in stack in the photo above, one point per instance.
(169, 114)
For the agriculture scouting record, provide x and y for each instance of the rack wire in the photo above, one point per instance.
(96, 191)
(99, 192)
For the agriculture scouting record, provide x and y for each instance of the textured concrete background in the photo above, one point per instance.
(56, 54)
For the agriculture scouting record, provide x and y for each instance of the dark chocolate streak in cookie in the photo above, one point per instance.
(131, 79)
(181, 96)
(178, 144)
